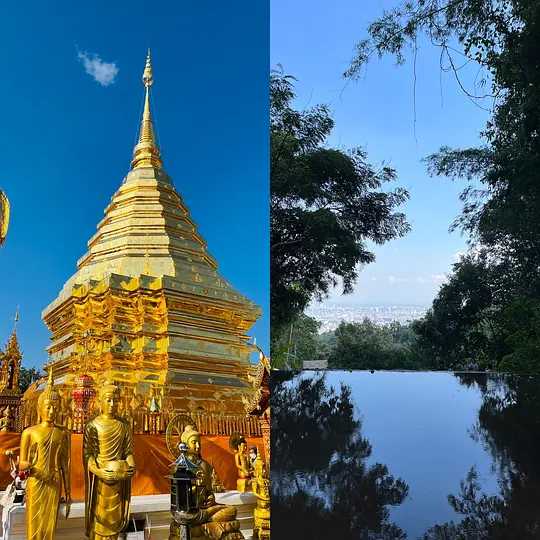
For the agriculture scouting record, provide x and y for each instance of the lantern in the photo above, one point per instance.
(185, 486)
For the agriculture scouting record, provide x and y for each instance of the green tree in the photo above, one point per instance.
(366, 345)
(300, 343)
(521, 322)
(27, 376)
(458, 331)
(503, 218)
(325, 204)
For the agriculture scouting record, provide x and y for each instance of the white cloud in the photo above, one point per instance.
(397, 279)
(103, 72)
(439, 278)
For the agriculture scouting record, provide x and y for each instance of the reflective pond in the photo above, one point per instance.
(402, 455)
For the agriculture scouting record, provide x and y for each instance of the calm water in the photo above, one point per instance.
(405, 455)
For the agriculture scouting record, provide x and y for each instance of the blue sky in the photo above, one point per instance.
(68, 135)
(430, 438)
(314, 41)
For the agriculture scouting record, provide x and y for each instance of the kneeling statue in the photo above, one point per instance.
(214, 521)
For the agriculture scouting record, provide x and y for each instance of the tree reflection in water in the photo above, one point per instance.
(321, 485)
(509, 428)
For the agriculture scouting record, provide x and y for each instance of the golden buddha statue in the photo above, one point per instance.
(217, 486)
(45, 457)
(214, 521)
(261, 490)
(5, 420)
(243, 463)
(109, 467)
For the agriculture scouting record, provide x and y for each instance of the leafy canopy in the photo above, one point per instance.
(490, 309)
(325, 204)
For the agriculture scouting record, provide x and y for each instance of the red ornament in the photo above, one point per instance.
(83, 391)
(83, 395)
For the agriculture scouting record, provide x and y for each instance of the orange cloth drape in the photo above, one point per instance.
(151, 457)
(8, 441)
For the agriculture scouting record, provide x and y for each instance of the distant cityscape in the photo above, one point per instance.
(330, 315)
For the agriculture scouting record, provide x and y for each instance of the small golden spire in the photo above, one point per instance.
(49, 388)
(146, 151)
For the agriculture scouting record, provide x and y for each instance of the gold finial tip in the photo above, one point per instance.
(147, 74)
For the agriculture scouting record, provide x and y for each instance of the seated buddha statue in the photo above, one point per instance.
(214, 521)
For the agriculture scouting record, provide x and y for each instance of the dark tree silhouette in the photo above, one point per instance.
(508, 427)
(321, 484)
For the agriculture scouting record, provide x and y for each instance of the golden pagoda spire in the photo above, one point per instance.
(146, 151)
(50, 378)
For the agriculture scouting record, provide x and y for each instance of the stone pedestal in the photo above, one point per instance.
(154, 509)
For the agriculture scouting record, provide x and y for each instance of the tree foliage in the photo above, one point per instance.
(489, 310)
(325, 204)
(367, 345)
(27, 376)
(298, 344)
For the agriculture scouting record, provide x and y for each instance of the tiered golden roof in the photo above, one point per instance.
(10, 394)
(10, 367)
(147, 305)
(260, 382)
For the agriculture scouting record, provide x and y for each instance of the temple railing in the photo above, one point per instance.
(227, 424)
(144, 422)
(207, 423)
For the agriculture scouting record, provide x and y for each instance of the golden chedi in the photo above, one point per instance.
(109, 467)
(242, 461)
(147, 306)
(214, 521)
(45, 455)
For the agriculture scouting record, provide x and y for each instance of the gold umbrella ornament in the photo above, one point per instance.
(4, 216)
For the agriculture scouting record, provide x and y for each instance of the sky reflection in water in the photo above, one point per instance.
(419, 426)
(429, 430)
